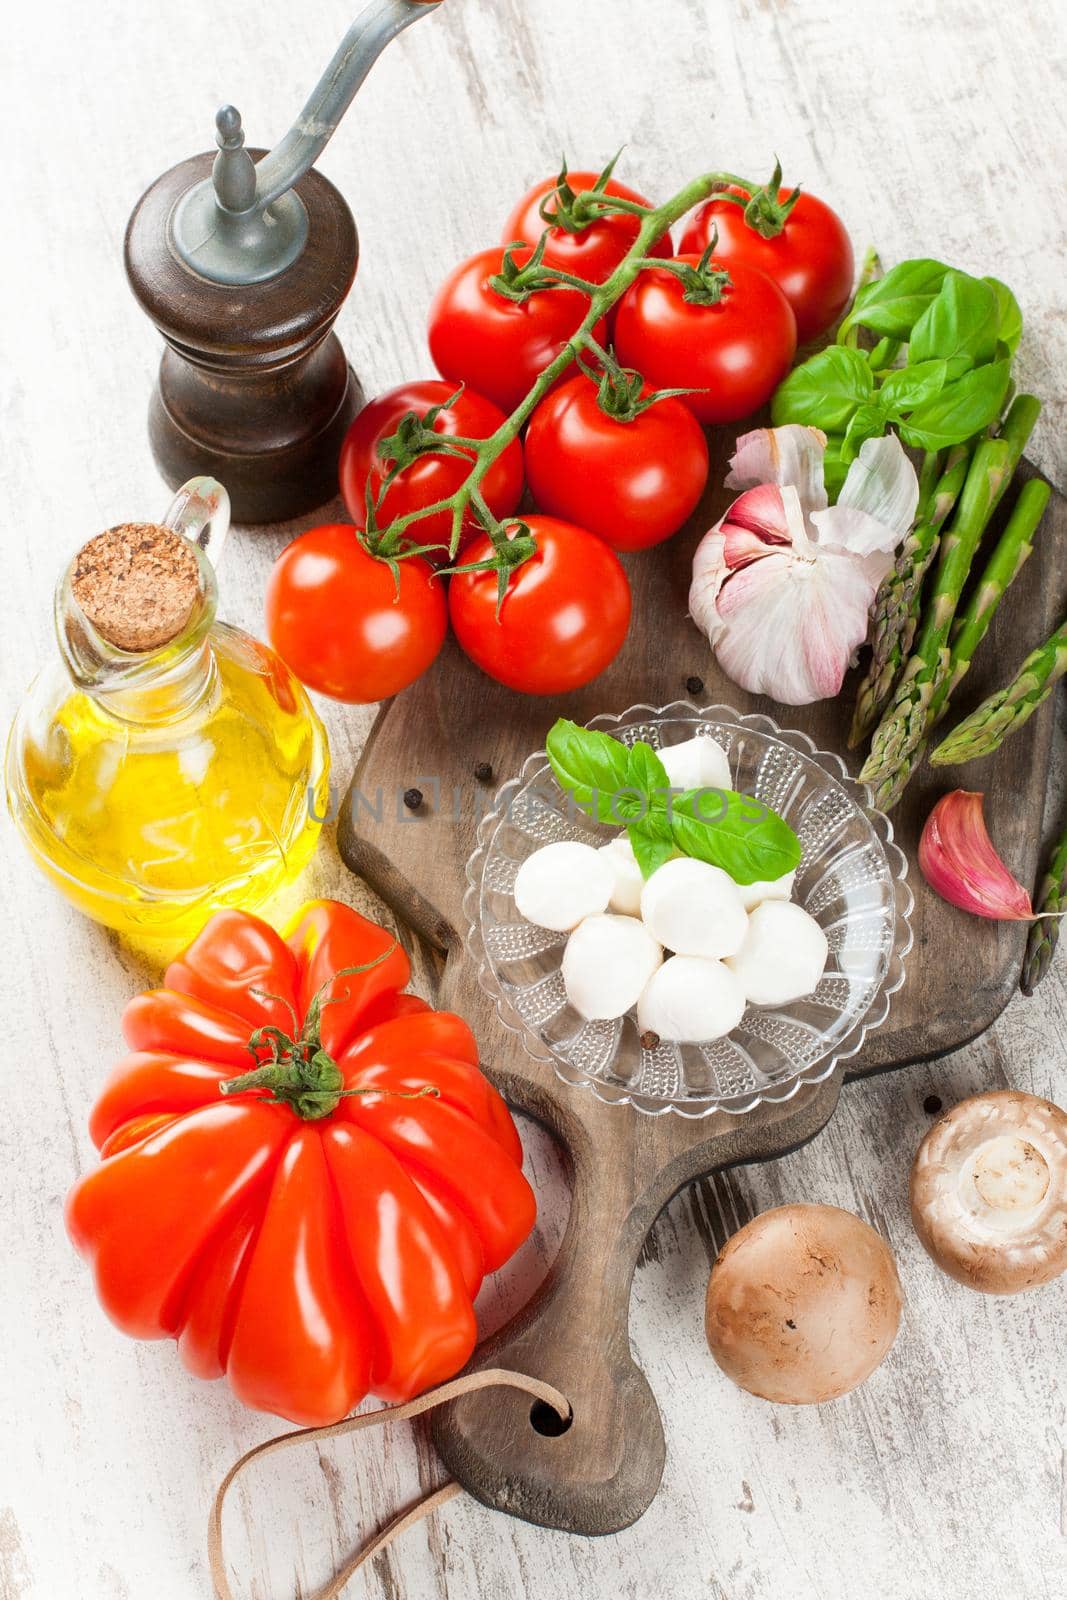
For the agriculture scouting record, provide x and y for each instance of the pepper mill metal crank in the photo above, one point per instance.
(243, 261)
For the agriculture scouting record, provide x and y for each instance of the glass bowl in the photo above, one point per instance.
(851, 879)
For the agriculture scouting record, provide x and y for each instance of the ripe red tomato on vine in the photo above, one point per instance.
(610, 455)
(592, 251)
(563, 617)
(500, 346)
(348, 624)
(810, 260)
(428, 478)
(727, 333)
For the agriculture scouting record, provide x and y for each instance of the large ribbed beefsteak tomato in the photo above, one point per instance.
(313, 1218)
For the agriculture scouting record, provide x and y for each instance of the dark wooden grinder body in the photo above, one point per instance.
(254, 387)
(603, 1472)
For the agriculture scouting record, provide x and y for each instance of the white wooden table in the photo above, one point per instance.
(934, 126)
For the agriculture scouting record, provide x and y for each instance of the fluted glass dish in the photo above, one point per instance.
(851, 879)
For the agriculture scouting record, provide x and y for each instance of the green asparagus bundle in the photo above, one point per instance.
(895, 615)
(1012, 551)
(899, 739)
(1044, 932)
(1009, 708)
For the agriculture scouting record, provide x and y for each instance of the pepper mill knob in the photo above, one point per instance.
(234, 172)
(243, 259)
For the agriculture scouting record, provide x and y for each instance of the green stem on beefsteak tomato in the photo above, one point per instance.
(655, 222)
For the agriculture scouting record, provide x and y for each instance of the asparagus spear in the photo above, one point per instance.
(897, 603)
(1051, 896)
(1009, 708)
(899, 740)
(1013, 549)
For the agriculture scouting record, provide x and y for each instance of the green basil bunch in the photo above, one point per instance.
(958, 335)
(629, 786)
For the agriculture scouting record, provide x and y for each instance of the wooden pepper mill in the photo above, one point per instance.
(243, 260)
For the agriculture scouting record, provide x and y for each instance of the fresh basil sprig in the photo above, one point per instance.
(960, 334)
(628, 785)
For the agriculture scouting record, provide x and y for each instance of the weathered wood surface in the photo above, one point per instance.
(933, 127)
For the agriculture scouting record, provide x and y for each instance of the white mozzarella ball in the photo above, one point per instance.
(697, 763)
(626, 893)
(690, 999)
(607, 962)
(694, 909)
(783, 955)
(562, 883)
(754, 894)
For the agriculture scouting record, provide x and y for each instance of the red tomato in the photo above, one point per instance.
(337, 619)
(595, 251)
(308, 1243)
(564, 616)
(500, 346)
(810, 260)
(430, 477)
(736, 351)
(631, 483)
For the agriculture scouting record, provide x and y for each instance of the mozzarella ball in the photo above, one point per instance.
(694, 909)
(698, 763)
(607, 962)
(783, 955)
(689, 999)
(754, 894)
(626, 893)
(562, 883)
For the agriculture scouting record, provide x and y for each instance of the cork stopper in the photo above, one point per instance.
(137, 584)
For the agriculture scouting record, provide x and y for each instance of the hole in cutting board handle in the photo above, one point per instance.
(548, 1422)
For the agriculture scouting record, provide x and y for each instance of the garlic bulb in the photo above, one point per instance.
(783, 584)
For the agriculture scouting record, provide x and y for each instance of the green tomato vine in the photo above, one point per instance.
(512, 540)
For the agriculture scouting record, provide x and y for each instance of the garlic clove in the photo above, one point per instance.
(793, 454)
(606, 965)
(626, 891)
(699, 763)
(562, 883)
(958, 861)
(783, 955)
(877, 503)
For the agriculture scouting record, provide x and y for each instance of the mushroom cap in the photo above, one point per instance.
(803, 1304)
(989, 1192)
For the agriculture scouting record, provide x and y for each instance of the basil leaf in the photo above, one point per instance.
(650, 849)
(912, 385)
(824, 391)
(961, 409)
(868, 422)
(961, 321)
(1009, 316)
(735, 832)
(645, 770)
(591, 766)
(893, 304)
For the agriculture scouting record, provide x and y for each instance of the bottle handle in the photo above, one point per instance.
(200, 512)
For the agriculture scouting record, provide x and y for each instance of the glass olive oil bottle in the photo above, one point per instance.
(166, 765)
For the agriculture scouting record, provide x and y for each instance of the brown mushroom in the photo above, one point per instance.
(803, 1303)
(989, 1192)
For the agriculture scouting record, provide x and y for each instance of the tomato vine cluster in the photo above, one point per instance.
(580, 357)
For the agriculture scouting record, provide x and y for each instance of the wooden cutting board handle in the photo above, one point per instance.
(603, 1471)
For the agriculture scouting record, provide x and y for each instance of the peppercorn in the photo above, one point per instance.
(413, 799)
(695, 685)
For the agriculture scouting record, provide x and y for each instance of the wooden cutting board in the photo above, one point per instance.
(603, 1472)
